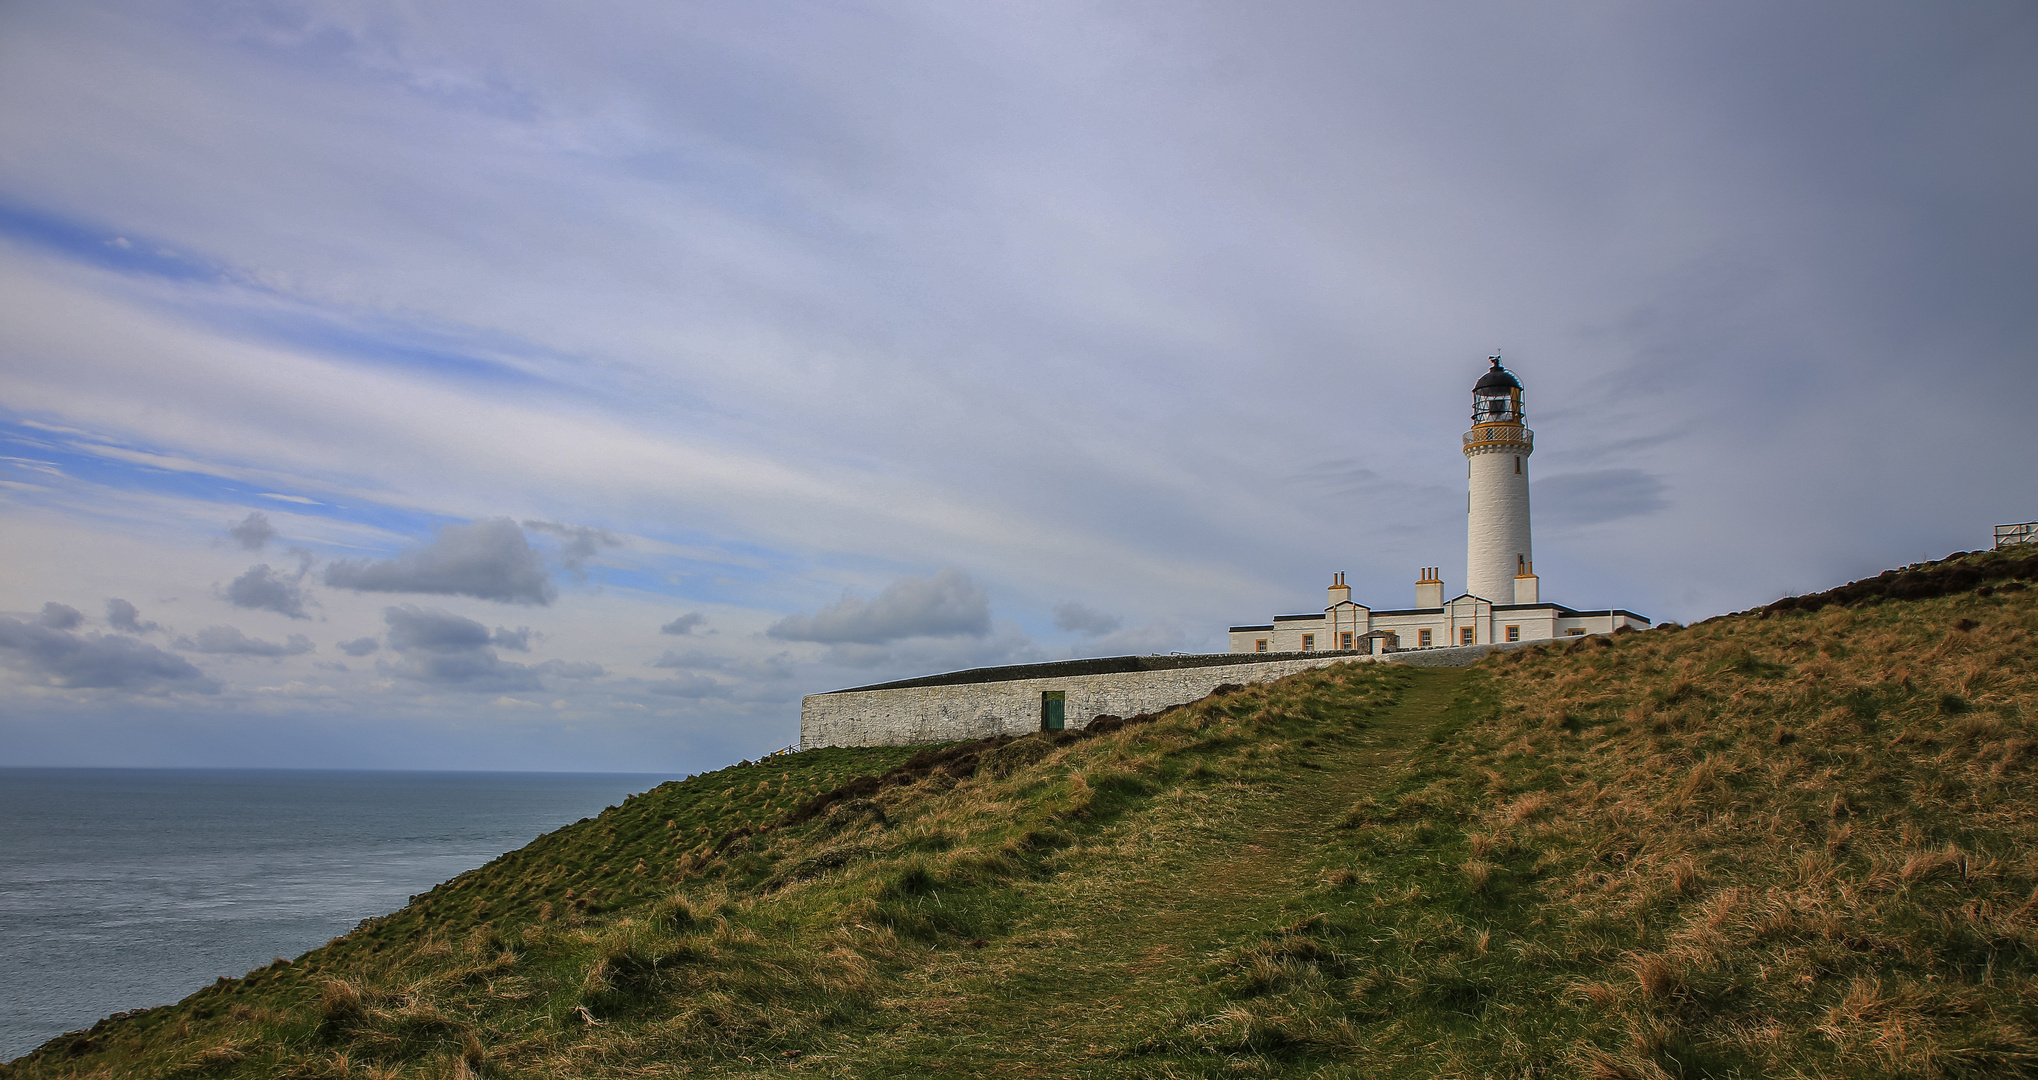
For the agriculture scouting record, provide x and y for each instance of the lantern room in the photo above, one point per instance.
(1496, 397)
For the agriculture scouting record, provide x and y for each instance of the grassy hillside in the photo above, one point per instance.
(1795, 841)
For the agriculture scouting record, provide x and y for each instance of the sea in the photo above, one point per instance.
(128, 888)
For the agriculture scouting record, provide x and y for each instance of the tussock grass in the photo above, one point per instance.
(1793, 842)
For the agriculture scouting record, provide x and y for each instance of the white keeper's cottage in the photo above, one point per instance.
(1502, 601)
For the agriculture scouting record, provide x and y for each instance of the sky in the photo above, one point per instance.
(536, 386)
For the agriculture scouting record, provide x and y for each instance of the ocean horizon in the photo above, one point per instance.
(128, 888)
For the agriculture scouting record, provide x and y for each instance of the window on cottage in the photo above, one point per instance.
(1465, 635)
(1422, 639)
(1309, 643)
(1260, 645)
(1344, 641)
(1514, 633)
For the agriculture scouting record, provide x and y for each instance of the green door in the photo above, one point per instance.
(1052, 704)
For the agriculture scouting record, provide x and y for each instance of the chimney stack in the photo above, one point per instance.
(1429, 588)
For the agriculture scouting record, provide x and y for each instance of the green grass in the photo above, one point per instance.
(1784, 844)
(1792, 842)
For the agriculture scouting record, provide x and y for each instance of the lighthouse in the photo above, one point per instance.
(1501, 604)
(1499, 564)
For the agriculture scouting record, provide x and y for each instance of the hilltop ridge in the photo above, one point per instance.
(1795, 840)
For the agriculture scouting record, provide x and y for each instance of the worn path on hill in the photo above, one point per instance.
(1050, 1000)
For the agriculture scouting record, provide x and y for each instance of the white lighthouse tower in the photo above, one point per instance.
(1501, 604)
(1499, 564)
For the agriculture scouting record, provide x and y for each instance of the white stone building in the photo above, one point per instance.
(1502, 601)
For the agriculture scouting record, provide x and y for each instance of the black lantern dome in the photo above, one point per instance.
(1496, 397)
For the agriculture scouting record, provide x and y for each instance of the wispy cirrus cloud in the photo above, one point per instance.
(1598, 496)
(578, 543)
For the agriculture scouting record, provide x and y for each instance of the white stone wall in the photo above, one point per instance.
(1489, 626)
(929, 714)
(1287, 635)
(1463, 613)
(1409, 627)
(1596, 624)
(1345, 621)
(1537, 624)
(1497, 520)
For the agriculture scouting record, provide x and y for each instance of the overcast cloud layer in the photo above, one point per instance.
(541, 386)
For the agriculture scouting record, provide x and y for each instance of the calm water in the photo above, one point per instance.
(125, 888)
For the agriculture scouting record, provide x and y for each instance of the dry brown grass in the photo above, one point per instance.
(1660, 977)
(1478, 874)
(1684, 875)
(1859, 783)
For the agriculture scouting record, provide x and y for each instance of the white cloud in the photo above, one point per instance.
(687, 686)
(488, 559)
(58, 658)
(1136, 641)
(253, 531)
(684, 624)
(440, 647)
(579, 543)
(433, 630)
(60, 616)
(231, 641)
(1076, 618)
(263, 589)
(125, 617)
(946, 604)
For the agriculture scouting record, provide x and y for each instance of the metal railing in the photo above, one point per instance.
(2021, 533)
(1500, 433)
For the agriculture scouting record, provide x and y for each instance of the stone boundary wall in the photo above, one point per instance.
(905, 716)
(938, 709)
(1101, 665)
(944, 708)
(1459, 655)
